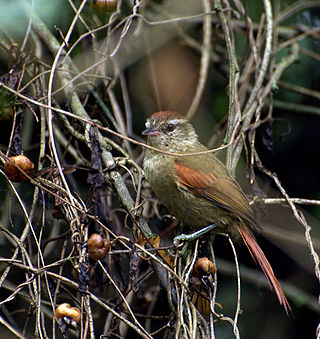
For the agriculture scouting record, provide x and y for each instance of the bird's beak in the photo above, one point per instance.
(151, 131)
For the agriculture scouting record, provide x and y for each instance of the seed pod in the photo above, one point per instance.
(204, 266)
(65, 310)
(13, 173)
(104, 5)
(98, 247)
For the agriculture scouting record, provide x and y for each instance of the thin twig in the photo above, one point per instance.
(204, 61)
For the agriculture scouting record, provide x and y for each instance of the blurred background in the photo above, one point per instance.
(114, 63)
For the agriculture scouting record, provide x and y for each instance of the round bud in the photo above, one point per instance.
(65, 310)
(98, 247)
(204, 266)
(13, 173)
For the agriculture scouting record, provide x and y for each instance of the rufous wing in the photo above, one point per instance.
(217, 187)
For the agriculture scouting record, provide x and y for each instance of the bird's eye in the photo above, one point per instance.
(171, 127)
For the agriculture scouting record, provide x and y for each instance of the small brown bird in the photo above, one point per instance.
(198, 189)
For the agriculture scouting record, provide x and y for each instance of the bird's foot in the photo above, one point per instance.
(190, 237)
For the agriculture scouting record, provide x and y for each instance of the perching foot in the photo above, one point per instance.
(192, 236)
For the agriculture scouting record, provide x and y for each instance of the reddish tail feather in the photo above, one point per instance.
(259, 257)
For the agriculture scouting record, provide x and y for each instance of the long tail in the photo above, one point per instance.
(259, 257)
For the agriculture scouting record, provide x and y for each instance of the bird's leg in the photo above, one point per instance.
(193, 236)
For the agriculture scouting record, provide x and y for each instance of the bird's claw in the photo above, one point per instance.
(177, 241)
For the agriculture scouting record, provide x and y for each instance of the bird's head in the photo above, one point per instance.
(170, 131)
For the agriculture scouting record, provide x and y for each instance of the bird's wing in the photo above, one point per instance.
(217, 187)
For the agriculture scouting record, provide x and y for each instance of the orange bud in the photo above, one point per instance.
(98, 247)
(204, 266)
(65, 310)
(21, 161)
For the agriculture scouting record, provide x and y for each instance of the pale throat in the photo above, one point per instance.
(176, 144)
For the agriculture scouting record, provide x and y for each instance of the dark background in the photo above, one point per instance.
(288, 145)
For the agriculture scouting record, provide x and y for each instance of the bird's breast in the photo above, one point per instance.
(192, 210)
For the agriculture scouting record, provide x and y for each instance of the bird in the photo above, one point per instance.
(198, 189)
